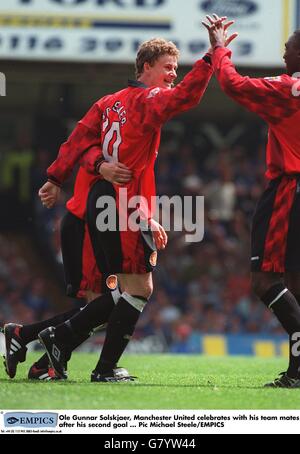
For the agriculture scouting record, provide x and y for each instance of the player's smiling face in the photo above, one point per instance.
(292, 55)
(162, 73)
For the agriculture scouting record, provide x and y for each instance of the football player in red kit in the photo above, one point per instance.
(82, 276)
(127, 124)
(275, 255)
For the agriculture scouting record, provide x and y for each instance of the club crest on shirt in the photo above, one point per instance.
(153, 258)
(112, 282)
(153, 92)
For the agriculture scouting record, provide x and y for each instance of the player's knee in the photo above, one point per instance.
(261, 284)
(138, 302)
(147, 290)
(142, 288)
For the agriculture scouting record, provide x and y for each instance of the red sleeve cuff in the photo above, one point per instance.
(218, 53)
(98, 164)
(91, 158)
(207, 58)
(53, 180)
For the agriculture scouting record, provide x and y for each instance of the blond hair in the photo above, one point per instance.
(151, 50)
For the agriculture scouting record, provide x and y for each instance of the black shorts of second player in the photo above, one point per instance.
(275, 239)
(81, 272)
(118, 252)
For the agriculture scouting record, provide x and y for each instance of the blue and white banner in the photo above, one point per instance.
(110, 30)
(156, 425)
(30, 420)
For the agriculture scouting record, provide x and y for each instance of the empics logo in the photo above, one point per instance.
(2, 84)
(12, 420)
(31, 420)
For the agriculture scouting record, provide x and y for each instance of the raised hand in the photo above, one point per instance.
(217, 30)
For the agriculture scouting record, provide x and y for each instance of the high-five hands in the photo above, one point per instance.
(217, 31)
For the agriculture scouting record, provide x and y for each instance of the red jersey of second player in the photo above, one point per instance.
(83, 183)
(275, 100)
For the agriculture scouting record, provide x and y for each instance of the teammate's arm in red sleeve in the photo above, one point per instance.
(94, 163)
(256, 94)
(85, 136)
(91, 159)
(162, 104)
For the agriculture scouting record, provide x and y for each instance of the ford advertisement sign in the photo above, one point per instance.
(110, 30)
(230, 8)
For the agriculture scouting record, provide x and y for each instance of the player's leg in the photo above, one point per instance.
(136, 291)
(82, 276)
(112, 254)
(273, 292)
(120, 311)
(292, 274)
(133, 260)
(99, 310)
(271, 246)
(18, 336)
(59, 341)
(292, 280)
(121, 319)
(73, 241)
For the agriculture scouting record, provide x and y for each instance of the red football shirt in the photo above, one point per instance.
(272, 99)
(127, 124)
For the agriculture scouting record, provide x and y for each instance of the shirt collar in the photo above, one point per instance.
(136, 83)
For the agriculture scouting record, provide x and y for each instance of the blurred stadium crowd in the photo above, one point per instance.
(199, 287)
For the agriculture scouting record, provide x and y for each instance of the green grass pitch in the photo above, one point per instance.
(164, 382)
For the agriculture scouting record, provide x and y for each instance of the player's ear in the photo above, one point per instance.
(147, 66)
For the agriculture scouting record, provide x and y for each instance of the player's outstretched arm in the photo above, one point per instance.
(156, 105)
(258, 95)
